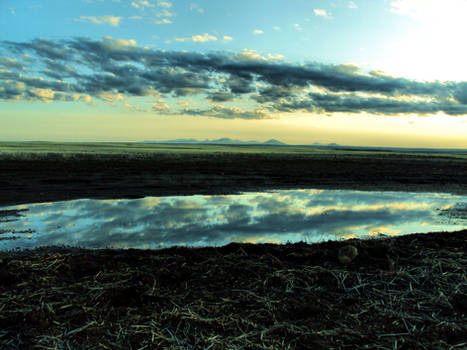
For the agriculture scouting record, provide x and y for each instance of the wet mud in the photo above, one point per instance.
(50, 178)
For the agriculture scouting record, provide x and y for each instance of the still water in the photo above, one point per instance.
(278, 216)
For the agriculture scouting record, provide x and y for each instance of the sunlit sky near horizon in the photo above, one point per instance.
(361, 73)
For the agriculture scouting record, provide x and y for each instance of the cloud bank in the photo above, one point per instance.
(110, 70)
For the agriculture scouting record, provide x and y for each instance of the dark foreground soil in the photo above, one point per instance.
(407, 292)
(50, 177)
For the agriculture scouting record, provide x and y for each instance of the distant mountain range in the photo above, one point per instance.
(223, 141)
(274, 142)
(326, 145)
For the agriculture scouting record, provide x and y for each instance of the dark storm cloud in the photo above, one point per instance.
(95, 68)
(54, 50)
(9, 91)
(179, 81)
(221, 96)
(11, 63)
(58, 71)
(273, 93)
(355, 104)
(460, 92)
(239, 84)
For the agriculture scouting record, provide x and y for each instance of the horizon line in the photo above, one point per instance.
(240, 143)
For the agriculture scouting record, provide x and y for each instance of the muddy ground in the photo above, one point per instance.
(49, 177)
(407, 292)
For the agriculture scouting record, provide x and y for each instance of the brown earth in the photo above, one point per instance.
(407, 292)
(56, 177)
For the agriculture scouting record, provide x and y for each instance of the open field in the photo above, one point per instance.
(142, 148)
(32, 172)
(406, 292)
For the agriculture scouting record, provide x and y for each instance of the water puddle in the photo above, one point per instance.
(278, 217)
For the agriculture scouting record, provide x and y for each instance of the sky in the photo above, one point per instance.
(387, 73)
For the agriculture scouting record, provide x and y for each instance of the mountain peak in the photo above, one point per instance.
(274, 142)
(223, 141)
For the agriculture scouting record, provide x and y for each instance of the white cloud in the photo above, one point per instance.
(136, 18)
(118, 44)
(203, 38)
(258, 32)
(160, 106)
(112, 20)
(158, 8)
(186, 103)
(275, 57)
(164, 13)
(142, 4)
(250, 55)
(166, 4)
(321, 13)
(110, 97)
(352, 5)
(253, 55)
(86, 98)
(297, 27)
(45, 95)
(276, 28)
(134, 108)
(163, 21)
(196, 7)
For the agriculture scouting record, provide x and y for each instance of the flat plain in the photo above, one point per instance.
(39, 172)
(406, 292)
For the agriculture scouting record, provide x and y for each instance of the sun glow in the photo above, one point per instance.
(422, 59)
(433, 49)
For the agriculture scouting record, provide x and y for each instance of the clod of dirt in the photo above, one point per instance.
(346, 254)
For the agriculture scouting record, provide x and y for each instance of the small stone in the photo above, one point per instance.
(346, 254)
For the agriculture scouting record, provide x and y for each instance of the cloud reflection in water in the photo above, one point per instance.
(280, 216)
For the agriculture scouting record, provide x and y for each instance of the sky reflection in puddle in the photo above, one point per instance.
(278, 217)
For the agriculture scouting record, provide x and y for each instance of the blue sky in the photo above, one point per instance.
(301, 30)
(379, 73)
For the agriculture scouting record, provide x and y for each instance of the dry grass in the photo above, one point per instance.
(404, 292)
